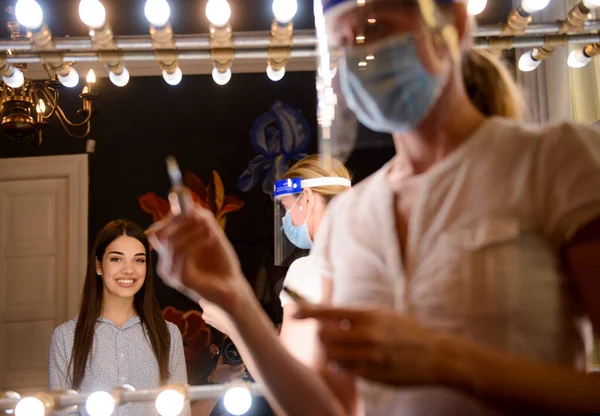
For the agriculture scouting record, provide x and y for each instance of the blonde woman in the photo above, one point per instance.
(301, 199)
(459, 270)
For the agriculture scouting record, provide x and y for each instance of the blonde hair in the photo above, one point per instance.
(488, 83)
(311, 167)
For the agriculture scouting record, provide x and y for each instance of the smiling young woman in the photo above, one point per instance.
(119, 336)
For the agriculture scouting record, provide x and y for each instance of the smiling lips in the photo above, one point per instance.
(126, 282)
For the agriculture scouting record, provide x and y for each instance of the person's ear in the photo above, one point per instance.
(98, 268)
(308, 199)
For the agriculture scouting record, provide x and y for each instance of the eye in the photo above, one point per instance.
(141, 261)
(115, 259)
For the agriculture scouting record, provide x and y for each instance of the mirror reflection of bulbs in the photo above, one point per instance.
(100, 403)
(169, 403)
(284, 10)
(532, 6)
(174, 78)
(221, 78)
(15, 80)
(275, 75)
(29, 14)
(70, 80)
(92, 13)
(218, 12)
(30, 406)
(120, 80)
(527, 63)
(475, 7)
(578, 59)
(157, 12)
(237, 400)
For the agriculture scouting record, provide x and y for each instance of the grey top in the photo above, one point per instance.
(119, 356)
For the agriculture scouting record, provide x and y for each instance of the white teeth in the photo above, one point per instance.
(127, 282)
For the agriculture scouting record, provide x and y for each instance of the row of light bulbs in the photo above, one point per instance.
(476, 7)
(93, 14)
(169, 401)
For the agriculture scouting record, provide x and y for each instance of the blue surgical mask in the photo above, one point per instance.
(297, 234)
(393, 93)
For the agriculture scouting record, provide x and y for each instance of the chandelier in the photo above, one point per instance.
(26, 104)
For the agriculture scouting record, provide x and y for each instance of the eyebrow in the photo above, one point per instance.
(122, 254)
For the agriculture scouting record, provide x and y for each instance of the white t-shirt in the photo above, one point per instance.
(482, 255)
(303, 277)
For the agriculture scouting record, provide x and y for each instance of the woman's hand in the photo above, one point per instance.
(379, 345)
(216, 317)
(194, 252)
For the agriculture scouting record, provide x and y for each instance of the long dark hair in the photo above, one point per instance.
(144, 302)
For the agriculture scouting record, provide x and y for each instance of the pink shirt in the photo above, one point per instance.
(482, 255)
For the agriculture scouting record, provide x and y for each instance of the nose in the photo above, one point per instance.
(127, 268)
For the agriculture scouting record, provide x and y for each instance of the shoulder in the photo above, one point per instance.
(173, 329)
(304, 277)
(175, 333)
(566, 134)
(64, 332)
(301, 273)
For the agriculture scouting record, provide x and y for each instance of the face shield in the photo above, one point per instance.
(382, 63)
(292, 212)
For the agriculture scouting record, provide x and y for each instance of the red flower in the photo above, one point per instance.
(195, 334)
(211, 197)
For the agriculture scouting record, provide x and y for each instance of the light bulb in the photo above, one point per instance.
(92, 13)
(531, 6)
(14, 80)
(527, 63)
(218, 12)
(157, 12)
(42, 106)
(275, 75)
(476, 6)
(100, 403)
(30, 406)
(91, 77)
(221, 78)
(120, 80)
(284, 10)
(169, 403)
(29, 14)
(71, 79)
(591, 4)
(577, 59)
(237, 400)
(174, 78)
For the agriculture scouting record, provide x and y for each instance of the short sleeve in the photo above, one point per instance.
(177, 365)
(568, 180)
(304, 278)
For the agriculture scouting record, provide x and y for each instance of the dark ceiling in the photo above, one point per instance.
(187, 16)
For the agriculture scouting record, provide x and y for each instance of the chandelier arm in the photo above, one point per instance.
(66, 127)
(51, 102)
(60, 113)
